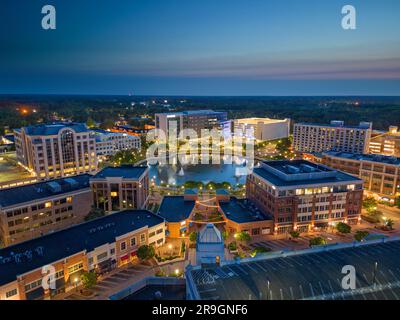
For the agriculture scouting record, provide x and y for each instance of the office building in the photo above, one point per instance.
(309, 137)
(381, 174)
(386, 143)
(118, 188)
(98, 245)
(302, 195)
(56, 150)
(109, 143)
(262, 128)
(30, 211)
(196, 120)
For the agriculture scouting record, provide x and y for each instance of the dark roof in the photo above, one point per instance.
(333, 125)
(42, 190)
(54, 128)
(242, 211)
(124, 171)
(335, 176)
(364, 157)
(10, 137)
(64, 243)
(305, 275)
(175, 208)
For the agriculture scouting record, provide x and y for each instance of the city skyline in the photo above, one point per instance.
(192, 48)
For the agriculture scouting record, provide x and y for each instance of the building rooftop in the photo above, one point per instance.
(54, 128)
(304, 275)
(284, 173)
(209, 234)
(257, 120)
(175, 208)
(337, 124)
(42, 190)
(365, 157)
(194, 112)
(242, 211)
(124, 171)
(30, 255)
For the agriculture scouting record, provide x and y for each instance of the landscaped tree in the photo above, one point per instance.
(145, 252)
(94, 213)
(397, 202)
(183, 247)
(193, 236)
(89, 279)
(225, 235)
(370, 204)
(107, 124)
(343, 227)
(317, 241)
(360, 235)
(294, 234)
(90, 123)
(243, 236)
(389, 224)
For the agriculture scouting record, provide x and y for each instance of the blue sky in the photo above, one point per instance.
(201, 47)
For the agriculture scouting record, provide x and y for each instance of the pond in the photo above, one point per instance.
(178, 175)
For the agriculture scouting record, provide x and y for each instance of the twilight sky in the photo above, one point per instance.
(200, 47)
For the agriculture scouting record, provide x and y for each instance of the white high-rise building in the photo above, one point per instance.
(109, 143)
(311, 137)
(263, 128)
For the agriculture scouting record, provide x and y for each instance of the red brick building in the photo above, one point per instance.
(301, 195)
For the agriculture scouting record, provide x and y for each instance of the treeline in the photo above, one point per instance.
(382, 111)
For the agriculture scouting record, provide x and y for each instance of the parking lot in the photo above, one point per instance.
(305, 276)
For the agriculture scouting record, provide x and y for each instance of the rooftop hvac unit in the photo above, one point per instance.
(307, 168)
(54, 186)
(72, 182)
(292, 169)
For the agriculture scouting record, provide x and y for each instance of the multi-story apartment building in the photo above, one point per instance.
(32, 210)
(56, 150)
(98, 245)
(117, 188)
(196, 120)
(310, 137)
(301, 195)
(386, 143)
(262, 128)
(109, 143)
(381, 174)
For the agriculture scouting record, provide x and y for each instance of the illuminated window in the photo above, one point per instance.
(69, 199)
(114, 194)
(47, 204)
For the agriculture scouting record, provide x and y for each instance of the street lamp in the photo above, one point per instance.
(375, 270)
(76, 284)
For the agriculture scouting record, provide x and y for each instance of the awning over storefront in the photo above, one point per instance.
(125, 257)
(104, 265)
(322, 225)
(133, 253)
